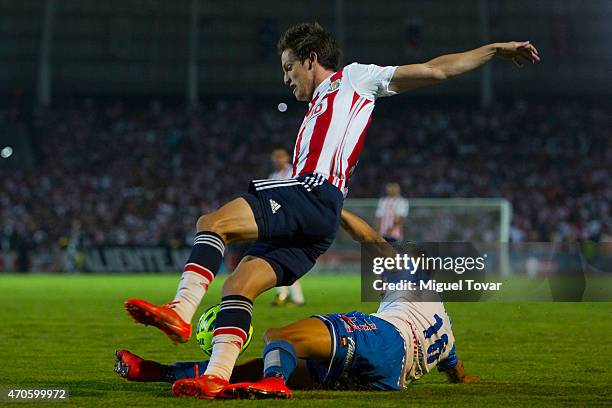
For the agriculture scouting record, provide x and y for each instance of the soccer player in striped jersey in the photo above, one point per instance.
(282, 171)
(281, 161)
(292, 222)
(391, 213)
(404, 340)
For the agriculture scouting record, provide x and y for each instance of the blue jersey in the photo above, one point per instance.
(372, 351)
(368, 353)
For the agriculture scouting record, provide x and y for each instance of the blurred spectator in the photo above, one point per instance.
(143, 176)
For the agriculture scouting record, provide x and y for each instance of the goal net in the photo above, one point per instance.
(479, 220)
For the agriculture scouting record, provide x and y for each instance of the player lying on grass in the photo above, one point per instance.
(385, 350)
(293, 222)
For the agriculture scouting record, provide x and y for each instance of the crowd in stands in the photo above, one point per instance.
(115, 173)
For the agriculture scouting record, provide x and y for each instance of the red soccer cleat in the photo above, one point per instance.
(133, 368)
(269, 387)
(203, 387)
(163, 317)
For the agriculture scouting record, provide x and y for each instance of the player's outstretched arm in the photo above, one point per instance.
(360, 231)
(407, 77)
(457, 374)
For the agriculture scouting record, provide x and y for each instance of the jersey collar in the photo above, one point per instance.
(319, 89)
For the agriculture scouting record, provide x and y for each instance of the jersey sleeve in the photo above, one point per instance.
(379, 209)
(449, 362)
(371, 81)
(402, 208)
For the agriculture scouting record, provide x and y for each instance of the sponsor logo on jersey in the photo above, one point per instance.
(348, 361)
(350, 326)
(343, 341)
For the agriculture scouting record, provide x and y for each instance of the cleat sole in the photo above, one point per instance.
(122, 369)
(252, 393)
(148, 318)
(188, 389)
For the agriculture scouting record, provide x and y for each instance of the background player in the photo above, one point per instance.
(292, 234)
(281, 161)
(335, 351)
(282, 171)
(391, 213)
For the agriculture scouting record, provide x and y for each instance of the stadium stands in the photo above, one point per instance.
(115, 174)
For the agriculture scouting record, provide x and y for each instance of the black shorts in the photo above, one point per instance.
(297, 219)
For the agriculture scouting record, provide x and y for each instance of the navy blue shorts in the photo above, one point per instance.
(368, 353)
(297, 220)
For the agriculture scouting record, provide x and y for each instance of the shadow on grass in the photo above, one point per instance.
(481, 394)
(100, 389)
(483, 391)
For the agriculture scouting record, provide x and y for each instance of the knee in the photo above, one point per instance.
(252, 277)
(210, 222)
(243, 282)
(273, 334)
(232, 285)
(298, 339)
(295, 337)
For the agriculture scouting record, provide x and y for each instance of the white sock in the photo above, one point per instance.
(225, 352)
(191, 289)
(282, 292)
(297, 296)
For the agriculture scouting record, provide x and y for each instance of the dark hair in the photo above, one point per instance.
(279, 147)
(304, 38)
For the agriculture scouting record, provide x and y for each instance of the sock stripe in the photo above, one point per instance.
(213, 240)
(236, 331)
(234, 317)
(280, 359)
(236, 303)
(249, 311)
(200, 270)
(206, 241)
(229, 305)
(209, 238)
(211, 235)
(236, 298)
(226, 305)
(272, 358)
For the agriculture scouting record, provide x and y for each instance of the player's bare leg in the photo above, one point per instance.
(231, 223)
(135, 368)
(252, 277)
(306, 339)
(310, 338)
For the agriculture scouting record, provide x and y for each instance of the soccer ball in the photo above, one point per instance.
(206, 327)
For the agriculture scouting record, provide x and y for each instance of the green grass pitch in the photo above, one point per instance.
(62, 331)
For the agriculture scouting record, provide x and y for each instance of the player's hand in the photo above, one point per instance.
(470, 379)
(517, 52)
(457, 375)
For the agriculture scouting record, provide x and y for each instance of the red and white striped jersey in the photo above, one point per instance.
(331, 136)
(282, 174)
(389, 208)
